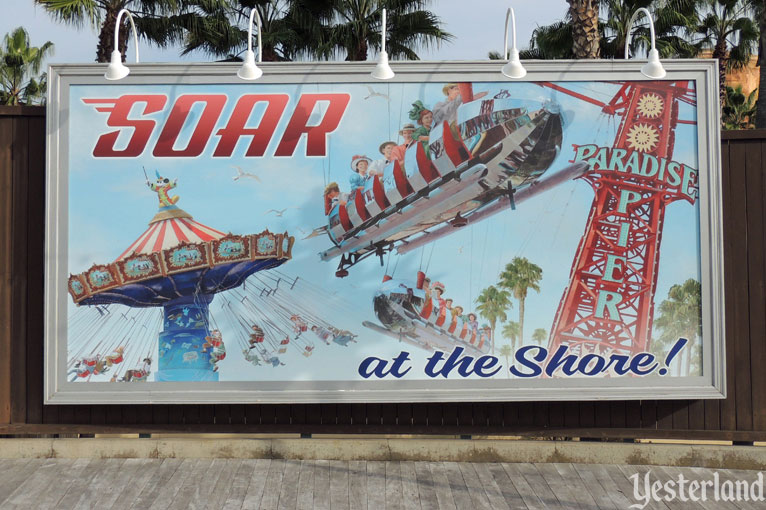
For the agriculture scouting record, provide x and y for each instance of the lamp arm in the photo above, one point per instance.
(117, 31)
(383, 33)
(509, 15)
(639, 11)
(254, 13)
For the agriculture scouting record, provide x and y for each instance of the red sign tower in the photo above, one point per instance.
(609, 303)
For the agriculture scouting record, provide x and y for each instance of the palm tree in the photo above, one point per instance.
(550, 42)
(511, 332)
(493, 303)
(356, 28)
(585, 33)
(760, 15)
(673, 20)
(162, 22)
(289, 28)
(738, 111)
(728, 27)
(519, 276)
(680, 316)
(506, 352)
(20, 64)
(539, 335)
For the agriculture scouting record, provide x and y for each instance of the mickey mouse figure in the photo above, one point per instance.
(162, 186)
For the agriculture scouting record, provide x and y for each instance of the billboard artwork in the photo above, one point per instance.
(449, 236)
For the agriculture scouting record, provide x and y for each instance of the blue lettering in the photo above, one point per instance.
(486, 363)
(566, 363)
(375, 366)
(521, 357)
(641, 360)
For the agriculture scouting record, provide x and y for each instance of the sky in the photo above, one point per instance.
(110, 206)
(469, 26)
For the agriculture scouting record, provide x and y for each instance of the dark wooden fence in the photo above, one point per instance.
(740, 417)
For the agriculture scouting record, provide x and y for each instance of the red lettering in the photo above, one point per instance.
(261, 135)
(316, 135)
(213, 106)
(119, 118)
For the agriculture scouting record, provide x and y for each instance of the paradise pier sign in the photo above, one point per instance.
(447, 235)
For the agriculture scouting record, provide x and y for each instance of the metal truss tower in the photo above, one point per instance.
(609, 303)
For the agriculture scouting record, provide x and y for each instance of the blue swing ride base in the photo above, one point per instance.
(181, 354)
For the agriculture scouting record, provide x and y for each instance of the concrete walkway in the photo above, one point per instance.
(175, 483)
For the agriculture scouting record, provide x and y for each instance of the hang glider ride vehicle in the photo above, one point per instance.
(491, 158)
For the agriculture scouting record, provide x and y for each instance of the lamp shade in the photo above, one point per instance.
(249, 71)
(116, 69)
(383, 71)
(653, 68)
(513, 68)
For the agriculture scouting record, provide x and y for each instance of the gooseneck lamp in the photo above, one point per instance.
(116, 69)
(653, 68)
(383, 71)
(513, 68)
(250, 71)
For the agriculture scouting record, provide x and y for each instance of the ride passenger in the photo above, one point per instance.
(425, 118)
(447, 110)
(214, 340)
(217, 354)
(333, 197)
(473, 324)
(438, 291)
(485, 336)
(299, 325)
(324, 334)
(271, 358)
(397, 153)
(457, 312)
(138, 374)
(256, 337)
(359, 165)
(115, 357)
(251, 358)
(377, 166)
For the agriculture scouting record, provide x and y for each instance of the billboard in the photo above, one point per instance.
(319, 236)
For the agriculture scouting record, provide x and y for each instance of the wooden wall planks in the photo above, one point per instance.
(742, 416)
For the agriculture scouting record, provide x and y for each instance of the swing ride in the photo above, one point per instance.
(178, 264)
(492, 157)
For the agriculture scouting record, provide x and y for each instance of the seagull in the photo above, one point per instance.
(241, 174)
(373, 94)
(460, 250)
(279, 213)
